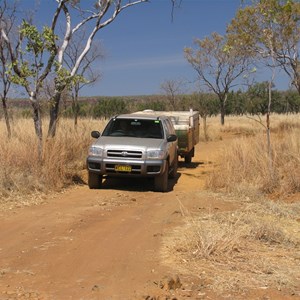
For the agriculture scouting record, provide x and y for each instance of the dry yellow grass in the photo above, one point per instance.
(245, 165)
(21, 170)
(247, 126)
(254, 247)
(234, 125)
(257, 246)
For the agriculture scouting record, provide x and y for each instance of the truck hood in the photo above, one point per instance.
(107, 142)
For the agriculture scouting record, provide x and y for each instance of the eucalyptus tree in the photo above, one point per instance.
(87, 73)
(37, 52)
(173, 88)
(218, 66)
(7, 17)
(93, 18)
(31, 56)
(270, 29)
(95, 15)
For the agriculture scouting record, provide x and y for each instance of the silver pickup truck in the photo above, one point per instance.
(134, 145)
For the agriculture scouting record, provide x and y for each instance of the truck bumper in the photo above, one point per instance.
(135, 168)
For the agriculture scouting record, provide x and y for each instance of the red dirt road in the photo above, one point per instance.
(106, 244)
(97, 244)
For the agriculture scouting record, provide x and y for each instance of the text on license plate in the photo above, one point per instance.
(122, 168)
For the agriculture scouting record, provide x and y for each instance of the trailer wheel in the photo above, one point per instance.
(161, 182)
(94, 180)
(188, 157)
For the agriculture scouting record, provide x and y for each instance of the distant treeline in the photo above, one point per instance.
(254, 101)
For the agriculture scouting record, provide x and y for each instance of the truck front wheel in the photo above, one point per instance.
(95, 180)
(161, 181)
(173, 172)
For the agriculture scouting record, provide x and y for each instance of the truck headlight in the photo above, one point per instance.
(155, 154)
(95, 151)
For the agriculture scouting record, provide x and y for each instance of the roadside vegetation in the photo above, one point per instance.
(245, 164)
(25, 177)
(256, 245)
(63, 158)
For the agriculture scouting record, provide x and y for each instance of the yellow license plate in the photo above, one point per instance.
(122, 168)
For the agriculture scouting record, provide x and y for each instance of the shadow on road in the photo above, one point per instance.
(191, 165)
(135, 184)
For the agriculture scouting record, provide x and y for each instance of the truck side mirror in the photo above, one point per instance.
(95, 134)
(172, 138)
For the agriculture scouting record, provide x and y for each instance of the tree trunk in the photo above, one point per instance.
(222, 111)
(6, 117)
(54, 110)
(223, 100)
(269, 130)
(205, 127)
(76, 112)
(75, 106)
(37, 120)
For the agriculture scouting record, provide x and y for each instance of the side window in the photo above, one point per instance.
(169, 127)
(172, 130)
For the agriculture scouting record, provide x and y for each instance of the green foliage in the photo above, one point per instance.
(64, 79)
(33, 44)
(290, 102)
(270, 30)
(207, 104)
(108, 107)
(154, 105)
(257, 98)
(37, 41)
(236, 103)
(23, 74)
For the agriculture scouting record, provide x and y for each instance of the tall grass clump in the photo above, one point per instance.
(23, 171)
(246, 164)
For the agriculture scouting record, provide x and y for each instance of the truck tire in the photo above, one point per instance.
(173, 172)
(161, 182)
(94, 180)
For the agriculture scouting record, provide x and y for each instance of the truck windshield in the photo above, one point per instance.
(134, 128)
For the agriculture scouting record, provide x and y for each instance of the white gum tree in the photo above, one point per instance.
(95, 15)
(37, 53)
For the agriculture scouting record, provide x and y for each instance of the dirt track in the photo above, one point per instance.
(103, 244)
(95, 244)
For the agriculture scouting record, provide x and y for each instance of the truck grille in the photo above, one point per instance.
(124, 154)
